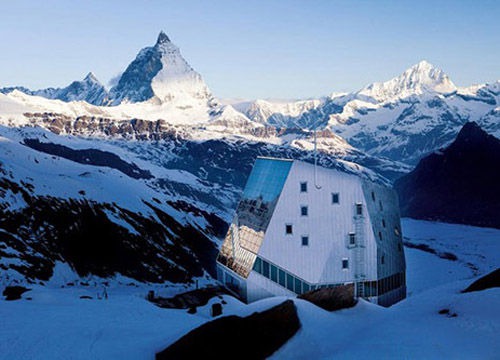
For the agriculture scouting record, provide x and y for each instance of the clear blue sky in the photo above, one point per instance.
(252, 49)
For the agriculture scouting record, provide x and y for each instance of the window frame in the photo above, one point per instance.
(288, 226)
(335, 196)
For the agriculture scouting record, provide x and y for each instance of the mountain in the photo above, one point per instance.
(459, 184)
(89, 90)
(161, 73)
(403, 119)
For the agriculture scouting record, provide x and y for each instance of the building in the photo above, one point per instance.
(299, 227)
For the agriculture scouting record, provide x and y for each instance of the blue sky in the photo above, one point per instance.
(252, 49)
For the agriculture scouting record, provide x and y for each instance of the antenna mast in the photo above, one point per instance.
(316, 160)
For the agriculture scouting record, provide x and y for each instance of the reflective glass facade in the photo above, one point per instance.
(253, 214)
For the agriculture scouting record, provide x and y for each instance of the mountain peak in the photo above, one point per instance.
(90, 78)
(421, 78)
(162, 38)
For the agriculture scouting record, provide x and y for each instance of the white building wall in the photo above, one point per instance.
(384, 210)
(327, 226)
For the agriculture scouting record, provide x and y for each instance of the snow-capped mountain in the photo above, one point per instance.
(417, 80)
(89, 90)
(403, 119)
(160, 74)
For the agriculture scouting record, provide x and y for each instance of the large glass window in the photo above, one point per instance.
(274, 273)
(298, 286)
(265, 268)
(289, 282)
(257, 266)
(281, 277)
(253, 214)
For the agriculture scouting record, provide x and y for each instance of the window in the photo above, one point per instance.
(303, 186)
(298, 286)
(383, 222)
(288, 229)
(289, 282)
(352, 238)
(305, 240)
(265, 268)
(335, 198)
(382, 259)
(380, 235)
(345, 264)
(373, 195)
(281, 277)
(303, 210)
(380, 205)
(400, 248)
(305, 287)
(274, 273)
(359, 209)
(257, 266)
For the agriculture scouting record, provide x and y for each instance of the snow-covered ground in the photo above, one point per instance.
(57, 324)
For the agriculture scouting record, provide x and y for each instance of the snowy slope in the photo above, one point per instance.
(128, 327)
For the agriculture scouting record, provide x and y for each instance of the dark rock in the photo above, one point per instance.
(90, 157)
(216, 309)
(257, 336)
(488, 281)
(14, 292)
(460, 184)
(331, 299)
(194, 298)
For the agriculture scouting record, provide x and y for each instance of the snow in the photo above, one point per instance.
(57, 324)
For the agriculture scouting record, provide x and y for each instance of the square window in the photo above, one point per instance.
(345, 264)
(359, 209)
(352, 239)
(288, 229)
(303, 186)
(335, 198)
(305, 240)
(304, 211)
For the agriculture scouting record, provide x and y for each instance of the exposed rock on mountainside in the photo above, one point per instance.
(459, 184)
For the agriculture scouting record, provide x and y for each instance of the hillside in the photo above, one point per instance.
(459, 184)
